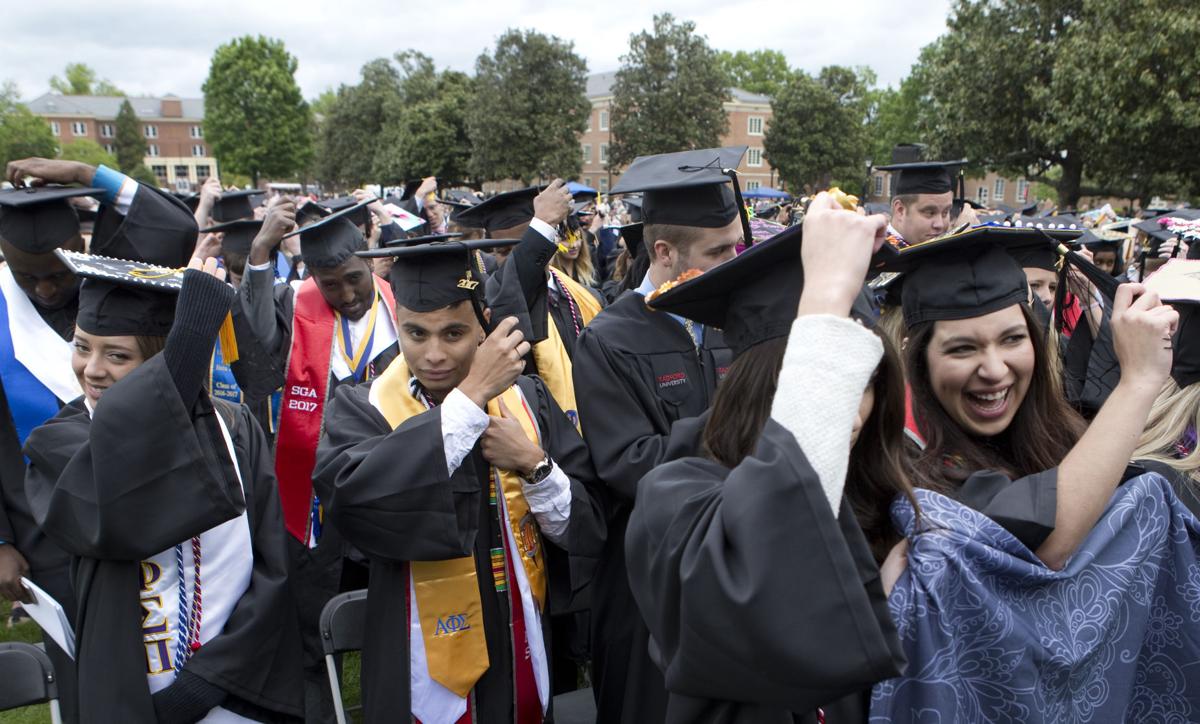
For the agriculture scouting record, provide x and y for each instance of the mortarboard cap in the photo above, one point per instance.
(239, 235)
(39, 219)
(427, 239)
(358, 214)
(908, 152)
(329, 241)
(925, 177)
(1096, 242)
(310, 211)
(634, 239)
(969, 274)
(1053, 221)
(688, 188)
(119, 297)
(234, 205)
(427, 277)
(500, 212)
(1155, 228)
(1178, 283)
(633, 205)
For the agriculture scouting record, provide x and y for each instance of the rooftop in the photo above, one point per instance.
(106, 107)
(599, 85)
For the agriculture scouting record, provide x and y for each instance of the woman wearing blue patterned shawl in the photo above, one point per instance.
(1036, 590)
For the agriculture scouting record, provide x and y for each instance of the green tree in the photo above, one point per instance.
(816, 137)
(1092, 91)
(22, 134)
(669, 93)
(894, 118)
(350, 132)
(427, 135)
(529, 109)
(255, 118)
(758, 71)
(130, 143)
(87, 151)
(80, 80)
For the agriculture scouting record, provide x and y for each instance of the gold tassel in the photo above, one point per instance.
(229, 348)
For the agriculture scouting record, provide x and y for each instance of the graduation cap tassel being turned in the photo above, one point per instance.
(741, 204)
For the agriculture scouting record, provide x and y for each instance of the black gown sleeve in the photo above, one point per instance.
(389, 492)
(521, 290)
(1024, 507)
(263, 326)
(752, 590)
(109, 488)
(624, 445)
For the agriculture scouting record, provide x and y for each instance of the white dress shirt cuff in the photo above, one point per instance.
(462, 424)
(550, 503)
(544, 229)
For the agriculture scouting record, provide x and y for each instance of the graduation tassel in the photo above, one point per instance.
(229, 348)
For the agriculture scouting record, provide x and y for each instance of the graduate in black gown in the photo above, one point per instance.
(178, 549)
(642, 378)
(999, 435)
(334, 328)
(753, 563)
(460, 511)
(40, 298)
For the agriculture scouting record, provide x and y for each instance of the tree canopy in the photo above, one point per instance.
(78, 79)
(759, 71)
(130, 143)
(353, 122)
(87, 151)
(22, 134)
(256, 120)
(669, 93)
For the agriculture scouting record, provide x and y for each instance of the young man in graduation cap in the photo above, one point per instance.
(923, 194)
(642, 379)
(458, 477)
(336, 327)
(40, 301)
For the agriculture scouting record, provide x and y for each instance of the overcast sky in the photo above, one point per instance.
(154, 47)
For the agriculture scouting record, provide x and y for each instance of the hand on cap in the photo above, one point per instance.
(208, 246)
(836, 252)
(210, 191)
(553, 204)
(428, 186)
(280, 220)
(497, 364)
(42, 171)
(1143, 328)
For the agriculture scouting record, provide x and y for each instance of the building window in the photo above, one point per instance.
(107, 130)
(201, 173)
(160, 172)
(182, 172)
(197, 132)
(587, 153)
(998, 192)
(110, 149)
(604, 185)
(878, 189)
(1022, 190)
(198, 150)
(753, 185)
(78, 128)
(754, 125)
(982, 195)
(603, 153)
(603, 121)
(150, 131)
(754, 158)
(55, 128)
(589, 123)
(152, 149)
(587, 181)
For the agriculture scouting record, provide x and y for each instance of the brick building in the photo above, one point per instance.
(173, 128)
(748, 114)
(991, 190)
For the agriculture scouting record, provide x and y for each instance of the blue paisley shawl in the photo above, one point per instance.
(993, 635)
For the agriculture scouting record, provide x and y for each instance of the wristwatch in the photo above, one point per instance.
(540, 472)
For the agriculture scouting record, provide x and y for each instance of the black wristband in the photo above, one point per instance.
(203, 303)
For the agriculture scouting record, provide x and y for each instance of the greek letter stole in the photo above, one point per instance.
(305, 391)
(447, 592)
(550, 355)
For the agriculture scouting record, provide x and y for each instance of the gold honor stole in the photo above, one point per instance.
(447, 592)
(550, 355)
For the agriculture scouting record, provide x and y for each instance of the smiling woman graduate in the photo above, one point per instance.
(166, 500)
(999, 438)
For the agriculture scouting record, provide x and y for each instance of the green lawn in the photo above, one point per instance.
(29, 632)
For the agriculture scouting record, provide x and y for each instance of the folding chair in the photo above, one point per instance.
(27, 678)
(343, 626)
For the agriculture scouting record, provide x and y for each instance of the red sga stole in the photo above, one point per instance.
(303, 407)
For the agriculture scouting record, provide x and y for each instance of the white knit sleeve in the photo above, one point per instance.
(827, 365)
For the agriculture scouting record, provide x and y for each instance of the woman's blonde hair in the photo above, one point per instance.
(1175, 410)
(584, 271)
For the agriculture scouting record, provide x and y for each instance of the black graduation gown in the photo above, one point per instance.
(641, 385)
(113, 499)
(391, 497)
(761, 605)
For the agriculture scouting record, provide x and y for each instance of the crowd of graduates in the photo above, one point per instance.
(658, 456)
